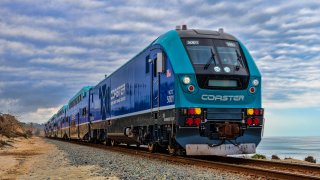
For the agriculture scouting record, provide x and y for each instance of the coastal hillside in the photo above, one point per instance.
(10, 127)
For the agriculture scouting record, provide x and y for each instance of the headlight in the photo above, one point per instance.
(250, 111)
(226, 69)
(255, 82)
(186, 80)
(197, 111)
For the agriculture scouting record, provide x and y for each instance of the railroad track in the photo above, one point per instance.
(307, 169)
(254, 168)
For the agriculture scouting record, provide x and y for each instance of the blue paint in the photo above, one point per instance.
(128, 89)
(75, 111)
(134, 88)
(61, 117)
(174, 48)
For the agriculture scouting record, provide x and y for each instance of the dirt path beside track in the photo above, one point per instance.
(36, 159)
(48, 159)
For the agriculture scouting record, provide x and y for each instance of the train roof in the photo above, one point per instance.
(64, 107)
(84, 89)
(172, 35)
(52, 117)
(200, 33)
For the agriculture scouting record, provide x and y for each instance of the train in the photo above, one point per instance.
(191, 92)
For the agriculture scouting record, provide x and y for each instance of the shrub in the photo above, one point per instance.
(310, 159)
(3, 143)
(10, 127)
(28, 133)
(258, 156)
(275, 157)
(37, 132)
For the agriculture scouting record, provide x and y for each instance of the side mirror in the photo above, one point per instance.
(160, 63)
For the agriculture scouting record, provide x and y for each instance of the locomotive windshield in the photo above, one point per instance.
(214, 55)
(219, 64)
(201, 54)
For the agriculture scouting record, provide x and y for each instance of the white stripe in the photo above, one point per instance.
(98, 121)
(76, 125)
(196, 127)
(164, 108)
(82, 123)
(116, 134)
(137, 113)
(142, 112)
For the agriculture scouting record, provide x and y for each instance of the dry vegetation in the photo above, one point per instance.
(10, 128)
(275, 157)
(310, 159)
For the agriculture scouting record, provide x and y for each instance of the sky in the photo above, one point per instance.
(50, 49)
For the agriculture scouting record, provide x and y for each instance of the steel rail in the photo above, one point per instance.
(311, 169)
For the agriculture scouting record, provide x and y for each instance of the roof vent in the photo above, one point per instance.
(221, 30)
(178, 28)
(184, 27)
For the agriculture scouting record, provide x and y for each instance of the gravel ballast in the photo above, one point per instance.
(123, 166)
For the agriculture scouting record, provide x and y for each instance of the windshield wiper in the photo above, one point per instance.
(239, 59)
(210, 60)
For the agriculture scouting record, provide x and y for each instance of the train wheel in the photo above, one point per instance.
(113, 142)
(152, 148)
(172, 150)
(108, 142)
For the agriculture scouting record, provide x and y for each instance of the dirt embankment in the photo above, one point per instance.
(25, 157)
(11, 128)
(34, 158)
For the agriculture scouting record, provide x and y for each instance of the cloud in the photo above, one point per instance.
(28, 32)
(65, 50)
(14, 47)
(42, 114)
(82, 64)
(49, 50)
(7, 103)
(291, 82)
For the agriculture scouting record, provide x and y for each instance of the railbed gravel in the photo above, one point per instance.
(123, 166)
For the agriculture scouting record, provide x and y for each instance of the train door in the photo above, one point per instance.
(156, 63)
(70, 123)
(157, 66)
(154, 85)
(61, 125)
(78, 125)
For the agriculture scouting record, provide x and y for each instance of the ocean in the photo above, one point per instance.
(294, 147)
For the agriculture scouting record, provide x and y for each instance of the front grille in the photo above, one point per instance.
(219, 114)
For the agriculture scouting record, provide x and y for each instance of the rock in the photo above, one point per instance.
(122, 166)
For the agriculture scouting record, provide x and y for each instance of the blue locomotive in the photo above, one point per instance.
(190, 91)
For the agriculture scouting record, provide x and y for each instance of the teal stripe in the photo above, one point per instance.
(254, 71)
(175, 50)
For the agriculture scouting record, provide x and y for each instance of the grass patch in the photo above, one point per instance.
(258, 156)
